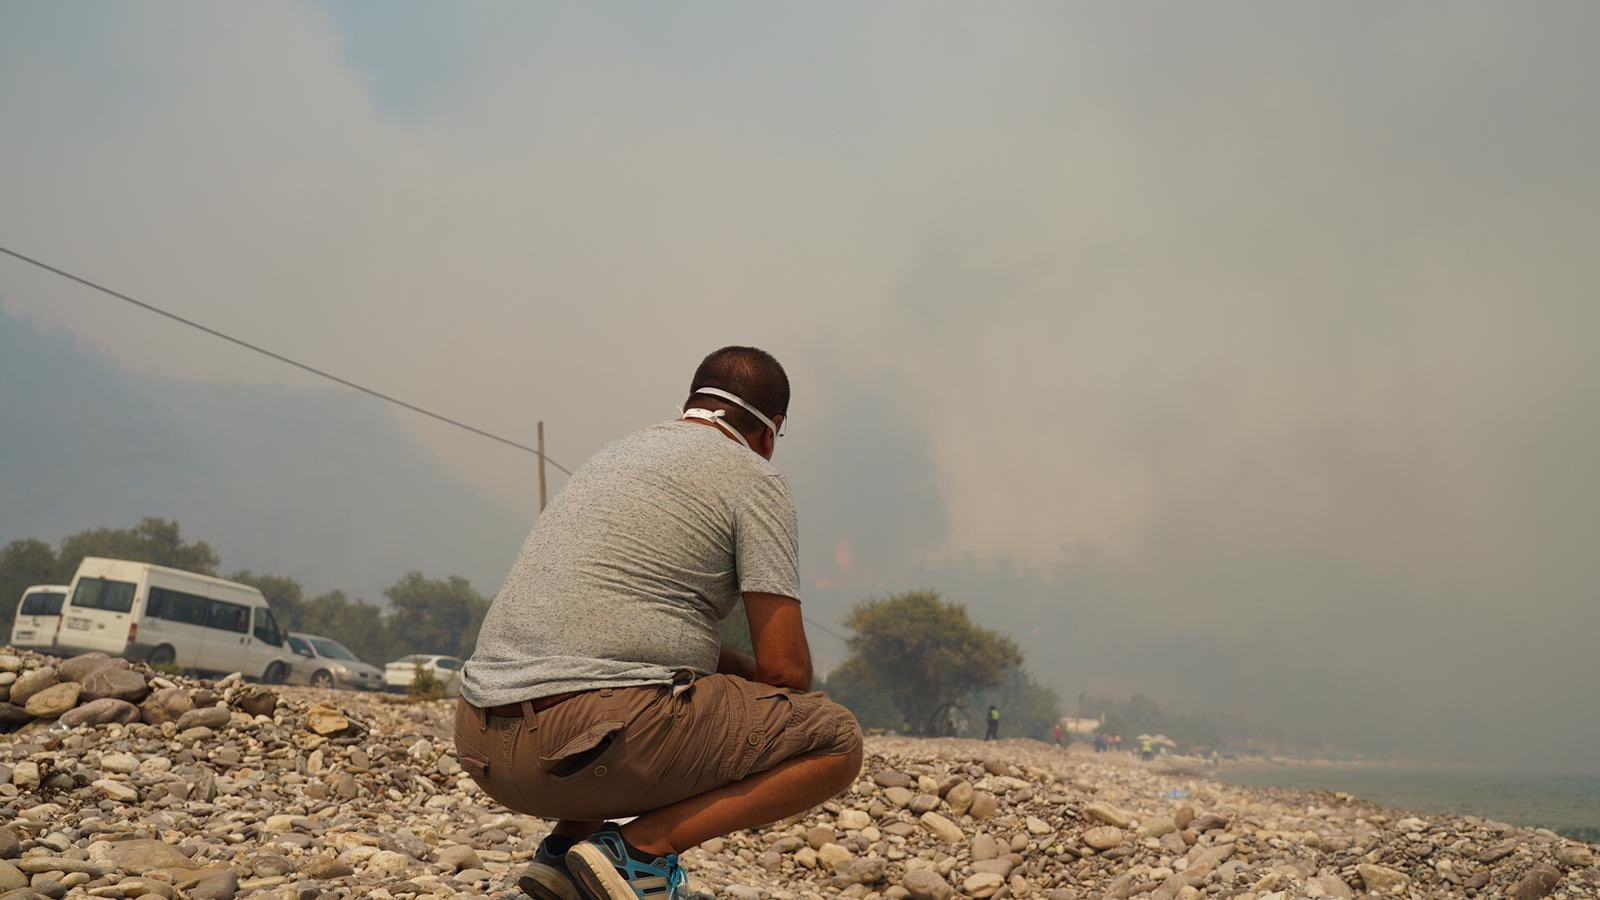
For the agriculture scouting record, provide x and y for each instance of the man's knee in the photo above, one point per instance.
(847, 744)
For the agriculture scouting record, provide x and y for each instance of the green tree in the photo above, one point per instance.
(153, 540)
(1027, 708)
(357, 625)
(434, 616)
(925, 655)
(23, 564)
(283, 594)
(851, 686)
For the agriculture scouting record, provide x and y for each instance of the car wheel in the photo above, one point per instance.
(163, 655)
(275, 673)
(321, 679)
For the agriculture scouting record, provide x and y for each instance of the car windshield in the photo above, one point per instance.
(332, 649)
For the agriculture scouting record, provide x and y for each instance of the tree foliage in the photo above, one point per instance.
(23, 564)
(155, 541)
(436, 616)
(925, 656)
(1027, 708)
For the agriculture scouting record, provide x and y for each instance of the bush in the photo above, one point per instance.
(425, 686)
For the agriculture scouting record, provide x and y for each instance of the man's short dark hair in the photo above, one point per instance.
(748, 373)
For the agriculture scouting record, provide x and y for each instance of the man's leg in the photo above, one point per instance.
(788, 788)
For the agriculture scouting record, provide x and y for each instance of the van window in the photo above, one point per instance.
(44, 603)
(228, 616)
(267, 628)
(99, 593)
(176, 606)
(446, 662)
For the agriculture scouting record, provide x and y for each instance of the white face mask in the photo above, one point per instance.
(715, 417)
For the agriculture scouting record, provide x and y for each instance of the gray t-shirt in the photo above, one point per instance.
(623, 579)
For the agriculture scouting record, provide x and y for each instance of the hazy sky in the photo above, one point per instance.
(1237, 353)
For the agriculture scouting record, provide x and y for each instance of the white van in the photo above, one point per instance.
(38, 617)
(170, 617)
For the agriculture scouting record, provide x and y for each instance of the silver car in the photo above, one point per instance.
(324, 662)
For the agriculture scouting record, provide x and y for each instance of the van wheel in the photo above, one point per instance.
(275, 673)
(321, 679)
(163, 655)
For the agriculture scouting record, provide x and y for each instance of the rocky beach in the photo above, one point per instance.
(117, 781)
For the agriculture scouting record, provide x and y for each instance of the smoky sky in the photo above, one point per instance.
(1237, 353)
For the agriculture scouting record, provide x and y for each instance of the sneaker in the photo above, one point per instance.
(547, 878)
(608, 869)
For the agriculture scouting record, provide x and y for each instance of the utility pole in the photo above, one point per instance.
(541, 465)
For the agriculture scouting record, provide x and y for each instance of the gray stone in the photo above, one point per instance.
(111, 682)
(165, 705)
(212, 717)
(459, 857)
(11, 878)
(101, 712)
(892, 778)
(222, 886)
(141, 856)
(79, 667)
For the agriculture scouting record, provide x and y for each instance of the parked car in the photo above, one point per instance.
(398, 675)
(170, 617)
(38, 617)
(324, 662)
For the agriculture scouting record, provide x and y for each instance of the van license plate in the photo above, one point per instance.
(78, 624)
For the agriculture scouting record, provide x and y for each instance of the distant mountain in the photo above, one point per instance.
(321, 485)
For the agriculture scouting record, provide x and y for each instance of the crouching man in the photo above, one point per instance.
(599, 689)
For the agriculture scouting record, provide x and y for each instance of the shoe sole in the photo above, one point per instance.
(542, 882)
(593, 871)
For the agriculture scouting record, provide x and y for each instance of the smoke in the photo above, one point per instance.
(1236, 354)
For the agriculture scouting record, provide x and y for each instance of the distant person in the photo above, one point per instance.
(1147, 750)
(1057, 734)
(599, 689)
(992, 733)
(1099, 742)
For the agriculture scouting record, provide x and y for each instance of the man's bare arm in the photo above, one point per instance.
(782, 658)
(732, 662)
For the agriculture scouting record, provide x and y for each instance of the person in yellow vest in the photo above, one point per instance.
(993, 732)
(1147, 750)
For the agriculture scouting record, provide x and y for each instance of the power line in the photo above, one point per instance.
(280, 357)
(824, 629)
(149, 307)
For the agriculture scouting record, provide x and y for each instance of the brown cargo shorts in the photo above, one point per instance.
(618, 752)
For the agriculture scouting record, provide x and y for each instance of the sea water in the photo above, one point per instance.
(1566, 804)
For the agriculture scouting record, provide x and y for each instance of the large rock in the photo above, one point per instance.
(79, 667)
(11, 878)
(1540, 880)
(166, 705)
(1103, 837)
(101, 712)
(1574, 856)
(984, 805)
(212, 717)
(256, 702)
(983, 884)
(946, 830)
(12, 714)
(32, 682)
(1380, 878)
(139, 857)
(959, 798)
(54, 700)
(326, 721)
(926, 884)
(1111, 815)
(112, 682)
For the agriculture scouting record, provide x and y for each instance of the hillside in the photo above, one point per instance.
(319, 484)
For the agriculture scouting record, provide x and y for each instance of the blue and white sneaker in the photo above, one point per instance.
(546, 877)
(608, 869)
